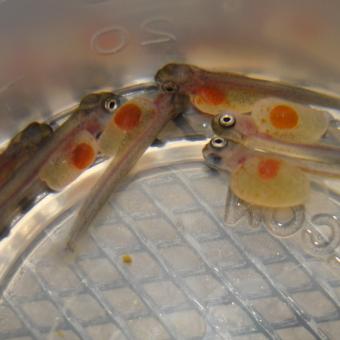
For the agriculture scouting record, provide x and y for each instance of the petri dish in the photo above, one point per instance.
(163, 260)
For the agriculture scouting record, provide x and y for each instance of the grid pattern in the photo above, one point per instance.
(191, 277)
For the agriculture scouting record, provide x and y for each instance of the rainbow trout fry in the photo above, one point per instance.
(218, 88)
(91, 115)
(135, 139)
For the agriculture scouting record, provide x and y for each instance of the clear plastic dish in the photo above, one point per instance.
(193, 274)
(160, 262)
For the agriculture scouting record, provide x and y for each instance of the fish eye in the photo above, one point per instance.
(169, 87)
(110, 104)
(227, 120)
(218, 142)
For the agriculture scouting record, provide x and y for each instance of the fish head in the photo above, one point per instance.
(221, 154)
(225, 125)
(34, 134)
(234, 126)
(173, 77)
(98, 109)
(37, 133)
(217, 152)
(108, 101)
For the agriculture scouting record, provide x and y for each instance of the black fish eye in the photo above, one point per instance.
(218, 142)
(111, 104)
(169, 87)
(227, 120)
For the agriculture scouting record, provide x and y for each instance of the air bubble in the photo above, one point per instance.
(323, 237)
(284, 222)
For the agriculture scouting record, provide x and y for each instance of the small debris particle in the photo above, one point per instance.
(60, 334)
(127, 259)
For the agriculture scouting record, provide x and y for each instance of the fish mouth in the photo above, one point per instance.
(211, 158)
